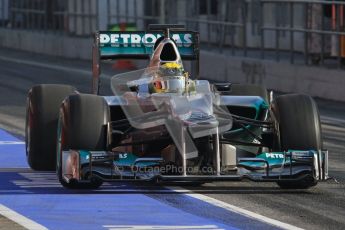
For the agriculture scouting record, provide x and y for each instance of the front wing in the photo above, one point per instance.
(83, 166)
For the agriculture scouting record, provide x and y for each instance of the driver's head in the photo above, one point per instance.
(169, 79)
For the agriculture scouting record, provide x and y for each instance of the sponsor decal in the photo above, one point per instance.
(302, 155)
(139, 40)
(123, 155)
(255, 141)
(275, 155)
(97, 155)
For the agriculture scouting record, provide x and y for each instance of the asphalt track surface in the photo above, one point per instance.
(38, 196)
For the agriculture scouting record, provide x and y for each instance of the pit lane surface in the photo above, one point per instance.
(35, 194)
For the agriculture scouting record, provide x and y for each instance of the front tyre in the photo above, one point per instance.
(82, 126)
(299, 129)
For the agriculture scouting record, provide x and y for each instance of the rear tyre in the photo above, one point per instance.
(42, 111)
(299, 129)
(83, 126)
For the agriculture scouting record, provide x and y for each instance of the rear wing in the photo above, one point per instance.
(139, 44)
(112, 45)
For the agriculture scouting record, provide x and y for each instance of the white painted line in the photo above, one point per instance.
(51, 66)
(161, 227)
(234, 208)
(12, 142)
(20, 219)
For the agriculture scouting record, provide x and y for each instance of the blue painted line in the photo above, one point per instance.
(58, 208)
(92, 211)
(5, 136)
(40, 197)
(12, 156)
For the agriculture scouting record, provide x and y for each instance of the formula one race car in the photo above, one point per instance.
(164, 125)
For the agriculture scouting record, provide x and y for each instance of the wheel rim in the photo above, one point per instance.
(60, 143)
(28, 128)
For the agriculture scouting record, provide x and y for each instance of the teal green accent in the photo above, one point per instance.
(128, 159)
(264, 105)
(273, 159)
(240, 135)
(105, 51)
(276, 158)
(259, 105)
(84, 156)
(125, 159)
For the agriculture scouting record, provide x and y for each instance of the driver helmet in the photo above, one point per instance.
(170, 78)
